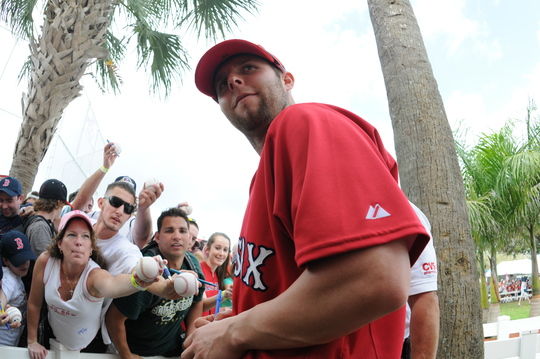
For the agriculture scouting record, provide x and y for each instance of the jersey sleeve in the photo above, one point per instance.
(335, 187)
(424, 272)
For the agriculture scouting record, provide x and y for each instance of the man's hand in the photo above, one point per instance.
(149, 195)
(202, 321)
(109, 155)
(26, 211)
(37, 351)
(4, 318)
(130, 356)
(211, 340)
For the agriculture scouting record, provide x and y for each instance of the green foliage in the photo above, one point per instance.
(106, 69)
(153, 24)
(502, 183)
(18, 15)
(165, 52)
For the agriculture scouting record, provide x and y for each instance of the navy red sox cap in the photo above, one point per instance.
(128, 180)
(11, 186)
(213, 58)
(15, 246)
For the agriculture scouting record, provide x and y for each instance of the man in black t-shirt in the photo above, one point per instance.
(11, 198)
(145, 324)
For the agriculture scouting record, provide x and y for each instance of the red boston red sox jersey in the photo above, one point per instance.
(325, 185)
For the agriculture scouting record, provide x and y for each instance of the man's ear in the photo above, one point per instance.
(156, 237)
(100, 203)
(288, 81)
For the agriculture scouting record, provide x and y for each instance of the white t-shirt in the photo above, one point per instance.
(424, 270)
(13, 288)
(120, 257)
(74, 322)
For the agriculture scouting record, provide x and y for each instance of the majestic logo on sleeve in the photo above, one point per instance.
(376, 212)
(252, 275)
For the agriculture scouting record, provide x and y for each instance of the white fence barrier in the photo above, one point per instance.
(525, 346)
(58, 352)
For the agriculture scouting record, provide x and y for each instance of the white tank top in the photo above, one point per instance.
(74, 322)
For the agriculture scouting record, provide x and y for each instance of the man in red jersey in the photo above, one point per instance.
(309, 282)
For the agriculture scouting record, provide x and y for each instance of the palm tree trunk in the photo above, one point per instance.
(72, 35)
(484, 301)
(429, 171)
(494, 276)
(535, 300)
(494, 306)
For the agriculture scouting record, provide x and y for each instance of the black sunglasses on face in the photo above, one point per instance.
(118, 202)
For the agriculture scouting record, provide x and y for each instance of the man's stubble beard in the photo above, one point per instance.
(257, 124)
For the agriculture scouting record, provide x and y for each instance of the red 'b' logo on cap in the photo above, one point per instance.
(19, 243)
(6, 183)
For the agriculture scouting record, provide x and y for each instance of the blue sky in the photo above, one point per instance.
(485, 57)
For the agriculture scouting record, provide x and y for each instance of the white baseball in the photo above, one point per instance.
(147, 269)
(14, 314)
(187, 208)
(186, 284)
(117, 149)
(151, 182)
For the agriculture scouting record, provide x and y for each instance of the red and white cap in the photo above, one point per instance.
(213, 58)
(74, 214)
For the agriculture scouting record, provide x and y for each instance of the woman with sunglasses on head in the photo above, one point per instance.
(215, 268)
(69, 279)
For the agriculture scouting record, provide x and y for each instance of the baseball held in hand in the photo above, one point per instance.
(147, 269)
(186, 284)
(14, 315)
(151, 183)
(187, 209)
(116, 148)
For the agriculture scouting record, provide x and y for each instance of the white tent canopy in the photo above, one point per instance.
(518, 266)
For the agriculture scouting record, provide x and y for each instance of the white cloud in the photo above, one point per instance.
(447, 20)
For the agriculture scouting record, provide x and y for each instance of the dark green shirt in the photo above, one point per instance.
(154, 325)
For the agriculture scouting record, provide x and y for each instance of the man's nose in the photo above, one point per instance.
(235, 80)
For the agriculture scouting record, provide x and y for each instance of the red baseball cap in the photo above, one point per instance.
(213, 58)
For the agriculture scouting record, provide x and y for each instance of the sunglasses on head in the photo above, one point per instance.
(118, 202)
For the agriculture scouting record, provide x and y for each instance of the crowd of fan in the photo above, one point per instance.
(63, 260)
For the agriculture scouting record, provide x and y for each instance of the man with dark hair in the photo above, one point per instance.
(145, 324)
(86, 208)
(309, 282)
(11, 198)
(40, 227)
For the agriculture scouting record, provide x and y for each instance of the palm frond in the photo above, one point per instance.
(25, 69)
(215, 17)
(108, 75)
(165, 52)
(18, 15)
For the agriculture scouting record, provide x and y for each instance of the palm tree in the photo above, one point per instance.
(481, 168)
(502, 176)
(78, 36)
(520, 184)
(429, 171)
